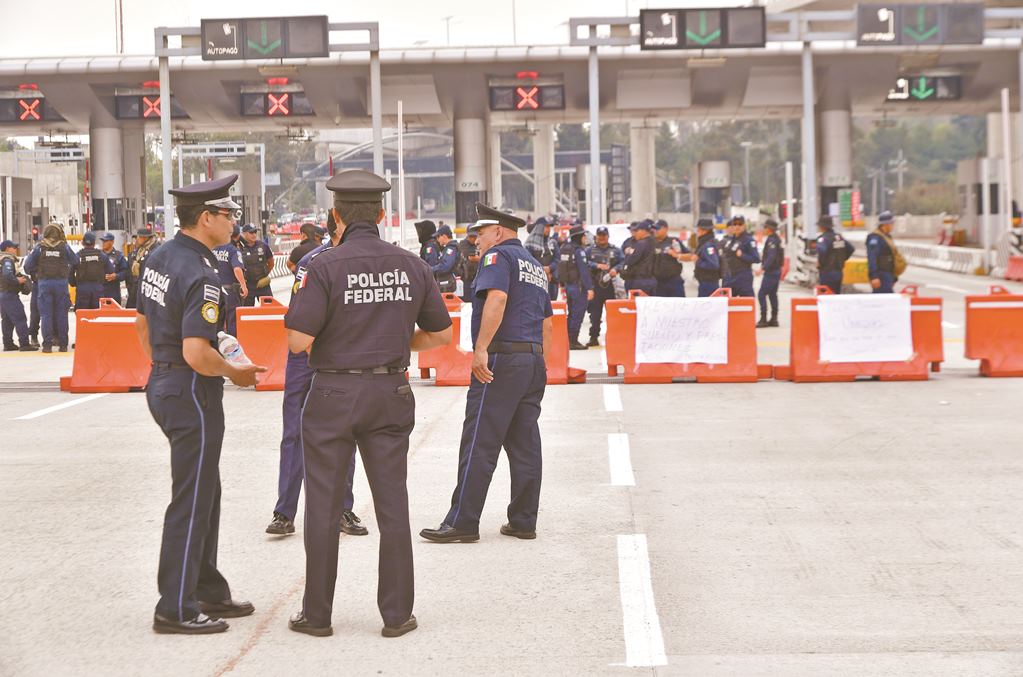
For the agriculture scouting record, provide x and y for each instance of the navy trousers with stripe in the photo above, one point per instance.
(502, 413)
(189, 408)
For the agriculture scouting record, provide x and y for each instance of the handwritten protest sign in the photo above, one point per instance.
(682, 331)
(865, 328)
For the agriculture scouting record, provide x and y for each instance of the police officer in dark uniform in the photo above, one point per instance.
(708, 258)
(88, 278)
(12, 312)
(669, 253)
(605, 261)
(425, 230)
(298, 376)
(445, 260)
(181, 309)
(145, 244)
(112, 281)
(311, 239)
(52, 262)
(774, 258)
(739, 254)
(544, 249)
(511, 331)
(881, 255)
(357, 309)
(638, 267)
(832, 253)
(574, 276)
(469, 261)
(258, 261)
(231, 272)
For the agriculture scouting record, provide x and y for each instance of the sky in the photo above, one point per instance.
(87, 27)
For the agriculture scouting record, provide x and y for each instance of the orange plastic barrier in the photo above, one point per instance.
(108, 357)
(558, 371)
(804, 349)
(264, 339)
(451, 366)
(994, 332)
(742, 367)
(1014, 271)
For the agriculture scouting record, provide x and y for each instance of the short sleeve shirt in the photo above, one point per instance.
(362, 300)
(180, 295)
(228, 258)
(509, 268)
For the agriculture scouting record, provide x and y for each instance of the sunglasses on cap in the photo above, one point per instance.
(226, 207)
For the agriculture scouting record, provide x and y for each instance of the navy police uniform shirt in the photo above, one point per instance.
(774, 258)
(362, 301)
(303, 265)
(179, 293)
(228, 258)
(508, 267)
(708, 258)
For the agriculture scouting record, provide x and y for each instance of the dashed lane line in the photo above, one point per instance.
(62, 405)
(612, 397)
(619, 460)
(644, 643)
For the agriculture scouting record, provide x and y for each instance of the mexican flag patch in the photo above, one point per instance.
(490, 259)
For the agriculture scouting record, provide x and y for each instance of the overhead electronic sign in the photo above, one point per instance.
(920, 24)
(295, 37)
(709, 28)
(915, 88)
(275, 104)
(527, 97)
(144, 107)
(17, 107)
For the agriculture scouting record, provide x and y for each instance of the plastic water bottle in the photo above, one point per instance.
(231, 349)
(459, 288)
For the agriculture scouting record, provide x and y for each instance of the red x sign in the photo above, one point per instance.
(278, 105)
(31, 110)
(527, 98)
(152, 107)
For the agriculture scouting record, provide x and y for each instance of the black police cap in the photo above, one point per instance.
(500, 218)
(771, 223)
(576, 231)
(603, 231)
(705, 224)
(215, 193)
(144, 232)
(825, 222)
(444, 230)
(358, 185)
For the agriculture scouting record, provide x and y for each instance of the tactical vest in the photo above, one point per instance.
(707, 274)
(665, 266)
(546, 253)
(5, 284)
(834, 258)
(568, 271)
(779, 258)
(91, 268)
(254, 261)
(885, 261)
(640, 270)
(138, 257)
(53, 263)
(730, 260)
(601, 255)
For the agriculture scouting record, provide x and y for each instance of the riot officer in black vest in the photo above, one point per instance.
(638, 269)
(88, 278)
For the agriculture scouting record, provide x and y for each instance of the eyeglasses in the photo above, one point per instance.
(232, 214)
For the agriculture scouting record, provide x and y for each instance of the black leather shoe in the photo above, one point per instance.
(47, 349)
(406, 627)
(593, 343)
(227, 609)
(63, 349)
(352, 525)
(280, 525)
(773, 323)
(33, 341)
(10, 348)
(299, 623)
(448, 534)
(28, 348)
(509, 530)
(762, 323)
(575, 345)
(200, 625)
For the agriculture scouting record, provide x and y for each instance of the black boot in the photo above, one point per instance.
(762, 323)
(773, 322)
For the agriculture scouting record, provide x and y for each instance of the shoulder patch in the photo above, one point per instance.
(211, 293)
(210, 312)
(490, 259)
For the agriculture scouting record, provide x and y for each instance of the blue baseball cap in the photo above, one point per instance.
(639, 225)
(603, 231)
(7, 244)
(106, 237)
(443, 230)
(886, 217)
(89, 237)
(248, 228)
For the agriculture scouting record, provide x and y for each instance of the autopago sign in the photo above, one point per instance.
(915, 88)
(920, 24)
(295, 37)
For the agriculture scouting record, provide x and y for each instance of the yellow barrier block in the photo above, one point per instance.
(855, 271)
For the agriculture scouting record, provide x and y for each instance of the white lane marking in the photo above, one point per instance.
(612, 397)
(58, 407)
(950, 325)
(644, 645)
(603, 357)
(955, 290)
(619, 460)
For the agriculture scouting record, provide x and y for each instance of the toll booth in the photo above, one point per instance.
(711, 189)
(970, 196)
(246, 191)
(582, 187)
(16, 211)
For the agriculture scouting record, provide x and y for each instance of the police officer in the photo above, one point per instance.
(669, 253)
(425, 230)
(258, 261)
(298, 376)
(231, 272)
(12, 312)
(605, 261)
(739, 253)
(144, 245)
(445, 260)
(511, 332)
(469, 261)
(88, 278)
(774, 258)
(574, 275)
(638, 267)
(52, 263)
(882, 254)
(832, 253)
(112, 281)
(311, 239)
(708, 258)
(356, 309)
(544, 249)
(181, 309)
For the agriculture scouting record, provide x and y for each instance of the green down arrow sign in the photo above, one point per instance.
(264, 47)
(921, 32)
(703, 38)
(922, 91)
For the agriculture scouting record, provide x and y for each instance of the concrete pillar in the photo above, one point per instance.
(835, 154)
(106, 165)
(470, 167)
(543, 170)
(133, 161)
(494, 163)
(994, 150)
(324, 198)
(643, 169)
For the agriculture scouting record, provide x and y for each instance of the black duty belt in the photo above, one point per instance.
(170, 365)
(515, 347)
(376, 371)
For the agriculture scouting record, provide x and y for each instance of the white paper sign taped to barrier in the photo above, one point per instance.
(465, 328)
(865, 327)
(682, 330)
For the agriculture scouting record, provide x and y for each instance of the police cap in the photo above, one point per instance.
(144, 232)
(771, 223)
(705, 224)
(89, 237)
(886, 217)
(639, 225)
(738, 220)
(660, 223)
(603, 231)
(490, 216)
(825, 222)
(213, 193)
(106, 237)
(542, 221)
(443, 230)
(576, 231)
(357, 185)
(248, 228)
(7, 244)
